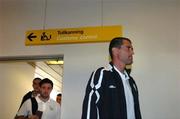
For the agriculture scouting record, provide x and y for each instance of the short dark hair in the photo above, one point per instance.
(46, 80)
(116, 42)
(37, 79)
(59, 94)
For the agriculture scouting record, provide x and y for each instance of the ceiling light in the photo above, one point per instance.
(54, 62)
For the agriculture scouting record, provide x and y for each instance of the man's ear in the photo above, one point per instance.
(115, 51)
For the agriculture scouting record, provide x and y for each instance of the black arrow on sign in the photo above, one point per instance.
(30, 36)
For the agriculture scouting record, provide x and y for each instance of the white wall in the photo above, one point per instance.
(152, 25)
(16, 80)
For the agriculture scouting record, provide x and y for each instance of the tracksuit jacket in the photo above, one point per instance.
(105, 96)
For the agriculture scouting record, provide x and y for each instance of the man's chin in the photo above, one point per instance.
(45, 97)
(129, 63)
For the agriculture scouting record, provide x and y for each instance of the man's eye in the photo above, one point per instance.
(130, 48)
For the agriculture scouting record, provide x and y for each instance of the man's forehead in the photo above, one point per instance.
(46, 85)
(126, 42)
(36, 81)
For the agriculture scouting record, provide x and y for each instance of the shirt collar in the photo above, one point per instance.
(39, 100)
(124, 75)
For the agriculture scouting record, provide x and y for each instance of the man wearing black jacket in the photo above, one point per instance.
(111, 92)
(34, 92)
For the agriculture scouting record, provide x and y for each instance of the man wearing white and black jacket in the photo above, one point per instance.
(111, 92)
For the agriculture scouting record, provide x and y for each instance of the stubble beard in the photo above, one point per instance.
(44, 96)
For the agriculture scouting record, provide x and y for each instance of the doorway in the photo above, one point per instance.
(17, 74)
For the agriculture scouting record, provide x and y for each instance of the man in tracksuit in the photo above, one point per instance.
(111, 92)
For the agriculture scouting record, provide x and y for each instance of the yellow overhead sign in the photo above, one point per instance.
(72, 35)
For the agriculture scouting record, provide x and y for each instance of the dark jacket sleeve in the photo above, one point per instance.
(26, 96)
(89, 110)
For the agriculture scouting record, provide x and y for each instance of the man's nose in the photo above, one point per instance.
(132, 51)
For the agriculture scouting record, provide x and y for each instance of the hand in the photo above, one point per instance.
(33, 117)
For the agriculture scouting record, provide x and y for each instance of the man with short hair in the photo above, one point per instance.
(111, 92)
(34, 92)
(47, 108)
(58, 98)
